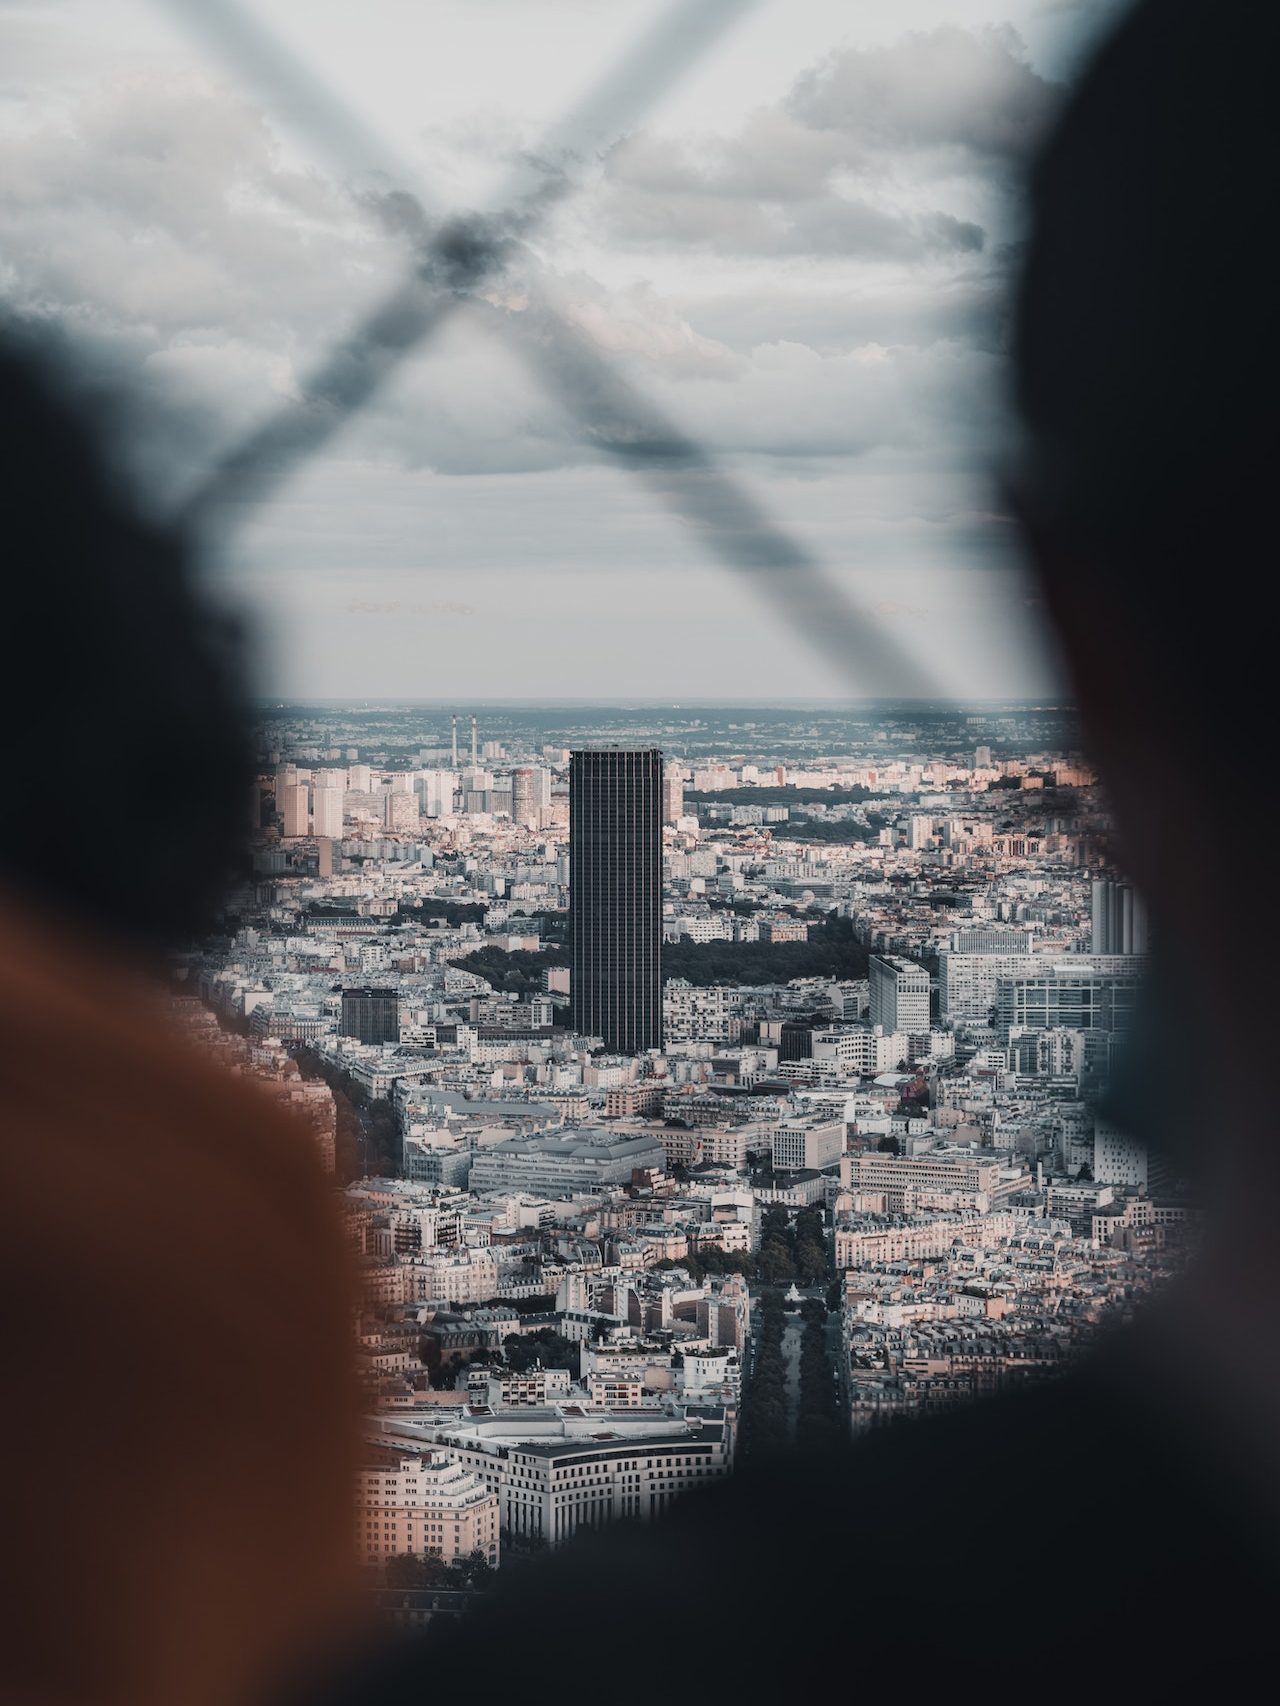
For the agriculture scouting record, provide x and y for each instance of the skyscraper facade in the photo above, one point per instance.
(615, 896)
(1119, 920)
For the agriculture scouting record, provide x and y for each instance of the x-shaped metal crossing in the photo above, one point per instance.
(455, 256)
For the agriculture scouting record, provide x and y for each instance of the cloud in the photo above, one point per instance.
(972, 91)
(638, 325)
(793, 402)
(192, 266)
(164, 246)
(168, 238)
(786, 198)
(852, 162)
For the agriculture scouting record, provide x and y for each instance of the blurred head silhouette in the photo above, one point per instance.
(1144, 368)
(178, 1510)
(128, 785)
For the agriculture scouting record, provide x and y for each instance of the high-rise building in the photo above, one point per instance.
(293, 808)
(899, 994)
(1119, 920)
(672, 793)
(326, 813)
(435, 792)
(615, 896)
(371, 1015)
(530, 795)
(400, 810)
(477, 791)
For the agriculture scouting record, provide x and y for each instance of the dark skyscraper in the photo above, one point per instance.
(615, 896)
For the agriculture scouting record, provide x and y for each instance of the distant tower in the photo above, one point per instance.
(326, 812)
(672, 793)
(475, 751)
(530, 795)
(455, 740)
(615, 896)
(293, 809)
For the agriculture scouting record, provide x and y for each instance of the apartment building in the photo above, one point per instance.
(429, 1506)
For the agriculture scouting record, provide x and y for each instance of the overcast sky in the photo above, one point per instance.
(798, 252)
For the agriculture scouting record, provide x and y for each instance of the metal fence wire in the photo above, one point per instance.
(454, 256)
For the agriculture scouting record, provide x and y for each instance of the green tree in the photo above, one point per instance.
(546, 1346)
(403, 1571)
(775, 1263)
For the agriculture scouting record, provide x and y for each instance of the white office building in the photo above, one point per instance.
(899, 994)
(570, 1466)
(807, 1145)
(967, 983)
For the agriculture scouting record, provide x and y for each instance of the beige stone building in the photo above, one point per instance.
(426, 1506)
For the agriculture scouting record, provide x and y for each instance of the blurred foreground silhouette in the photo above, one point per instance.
(176, 1513)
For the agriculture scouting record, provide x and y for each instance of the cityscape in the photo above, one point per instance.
(701, 1082)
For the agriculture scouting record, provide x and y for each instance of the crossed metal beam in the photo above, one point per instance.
(454, 256)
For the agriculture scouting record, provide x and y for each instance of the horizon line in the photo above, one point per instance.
(626, 701)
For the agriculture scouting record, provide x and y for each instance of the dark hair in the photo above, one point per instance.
(1144, 346)
(129, 759)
